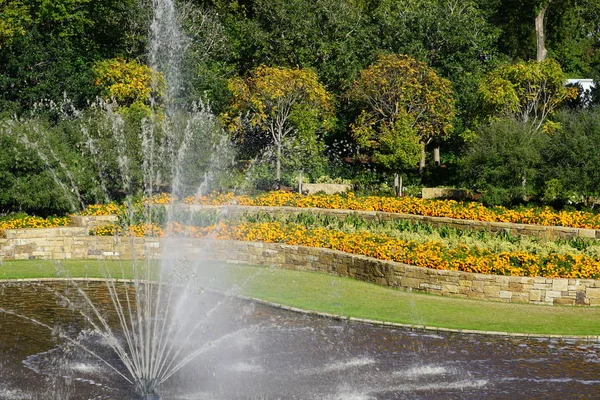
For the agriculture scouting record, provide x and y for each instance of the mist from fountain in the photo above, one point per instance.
(161, 313)
(162, 318)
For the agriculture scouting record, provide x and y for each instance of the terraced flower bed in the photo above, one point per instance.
(411, 205)
(413, 244)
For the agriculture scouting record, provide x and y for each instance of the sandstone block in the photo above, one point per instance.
(430, 286)
(564, 301)
(478, 286)
(449, 289)
(492, 291)
(476, 296)
(520, 298)
(551, 295)
(594, 302)
(560, 285)
(515, 286)
(592, 293)
(587, 233)
(542, 286)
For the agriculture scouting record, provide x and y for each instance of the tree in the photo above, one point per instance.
(540, 36)
(14, 15)
(565, 30)
(570, 158)
(454, 37)
(56, 44)
(328, 36)
(281, 102)
(503, 162)
(206, 65)
(394, 145)
(574, 38)
(527, 91)
(451, 36)
(129, 83)
(399, 87)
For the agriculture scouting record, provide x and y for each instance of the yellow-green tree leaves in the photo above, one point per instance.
(280, 102)
(528, 91)
(129, 83)
(13, 17)
(399, 96)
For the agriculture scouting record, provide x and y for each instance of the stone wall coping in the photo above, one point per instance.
(59, 231)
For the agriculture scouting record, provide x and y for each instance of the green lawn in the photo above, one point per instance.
(347, 297)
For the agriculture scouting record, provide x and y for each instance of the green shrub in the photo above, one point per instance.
(571, 166)
(504, 161)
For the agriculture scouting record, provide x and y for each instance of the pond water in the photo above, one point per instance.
(261, 352)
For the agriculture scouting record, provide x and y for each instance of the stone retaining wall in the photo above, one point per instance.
(445, 193)
(75, 243)
(327, 188)
(72, 243)
(388, 273)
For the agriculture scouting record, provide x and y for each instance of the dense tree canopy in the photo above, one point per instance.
(314, 80)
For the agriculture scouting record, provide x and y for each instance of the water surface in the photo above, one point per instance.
(256, 351)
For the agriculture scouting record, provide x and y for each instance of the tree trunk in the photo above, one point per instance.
(278, 168)
(422, 162)
(540, 36)
(436, 156)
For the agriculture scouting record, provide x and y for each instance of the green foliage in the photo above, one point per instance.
(573, 36)
(207, 63)
(58, 41)
(53, 48)
(571, 31)
(527, 91)
(453, 37)
(396, 147)
(29, 182)
(14, 15)
(330, 36)
(571, 166)
(290, 106)
(504, 162)
(403, 102)
(98, 155)
(129, 83)
(553, 190)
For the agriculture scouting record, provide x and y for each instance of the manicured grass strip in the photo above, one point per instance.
(347, 297)
(31, 269)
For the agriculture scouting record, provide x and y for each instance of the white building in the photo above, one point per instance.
(586, 85)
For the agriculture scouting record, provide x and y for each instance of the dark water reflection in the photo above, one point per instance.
(289, 356)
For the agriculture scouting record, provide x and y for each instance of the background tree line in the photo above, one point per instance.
(453, 72)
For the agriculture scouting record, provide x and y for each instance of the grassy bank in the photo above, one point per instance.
(347, 297)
